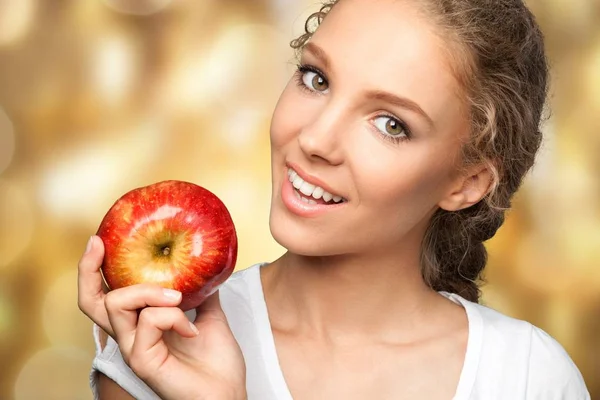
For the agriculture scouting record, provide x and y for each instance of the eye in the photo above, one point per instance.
(314, 81)
(390, 126)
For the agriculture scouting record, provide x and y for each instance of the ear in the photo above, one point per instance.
(468, 189)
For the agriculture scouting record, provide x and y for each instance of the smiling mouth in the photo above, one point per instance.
(312, 194)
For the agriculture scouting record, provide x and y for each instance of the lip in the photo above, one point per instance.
(312, 179)
(300, 208)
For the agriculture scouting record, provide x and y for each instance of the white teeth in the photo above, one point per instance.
(307, 189)
(310, 190)
(297, 182)
(318, 193)
(308, 201)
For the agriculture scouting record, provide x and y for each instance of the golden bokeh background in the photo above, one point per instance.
(100, 96)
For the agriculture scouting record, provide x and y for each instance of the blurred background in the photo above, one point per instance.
(100, 96)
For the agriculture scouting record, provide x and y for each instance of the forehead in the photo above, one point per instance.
(389, 45)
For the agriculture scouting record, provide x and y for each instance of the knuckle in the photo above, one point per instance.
(81, 263)
(82, 304)
(149, 316)
(86, 306)
(87, 262)
(111, 301)
(150, 290)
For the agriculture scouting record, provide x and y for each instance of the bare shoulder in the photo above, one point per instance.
(109, 390)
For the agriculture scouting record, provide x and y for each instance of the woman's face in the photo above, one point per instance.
(372, 116)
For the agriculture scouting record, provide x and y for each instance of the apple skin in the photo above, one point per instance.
(175, 234)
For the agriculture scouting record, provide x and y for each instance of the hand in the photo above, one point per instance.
(176, 358)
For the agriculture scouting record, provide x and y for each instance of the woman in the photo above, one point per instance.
(396, 149)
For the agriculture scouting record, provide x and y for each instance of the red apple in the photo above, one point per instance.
(175, 234)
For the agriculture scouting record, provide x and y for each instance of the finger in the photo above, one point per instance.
(210, 308)
(154, 321)
(90, 296)
(148, 350)
(122, 305)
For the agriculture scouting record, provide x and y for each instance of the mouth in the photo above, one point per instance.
(310, 193)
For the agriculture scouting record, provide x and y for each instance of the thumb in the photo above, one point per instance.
(90, 278)
(89, 283)
(94, 252)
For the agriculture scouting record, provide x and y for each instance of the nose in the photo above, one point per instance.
(322, 139)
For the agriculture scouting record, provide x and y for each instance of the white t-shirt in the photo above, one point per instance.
(506, 358)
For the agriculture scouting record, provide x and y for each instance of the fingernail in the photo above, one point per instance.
(89, 245)
(171, 294)
(194, 329)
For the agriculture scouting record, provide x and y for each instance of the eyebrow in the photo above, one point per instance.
(318, 53)
(380, 95)
(402, 102)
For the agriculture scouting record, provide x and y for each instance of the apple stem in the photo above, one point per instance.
(166, 250)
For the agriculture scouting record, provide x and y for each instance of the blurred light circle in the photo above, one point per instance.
(237, 69)
(113, 68)
(242, 127)
(592, 77)
(578, 184)
(57, 373)
(16, 17)
(540, 266)
(238, 189)
(89, 178)
(62, 320)
(138, 7)
(7, 140)
(16, 221)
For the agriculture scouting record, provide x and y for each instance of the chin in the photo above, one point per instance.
(300, 236)
(302, 240)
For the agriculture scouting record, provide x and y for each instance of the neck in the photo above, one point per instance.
(343, 298)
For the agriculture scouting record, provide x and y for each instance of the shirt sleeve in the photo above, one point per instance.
(108, 360)
(552, 373)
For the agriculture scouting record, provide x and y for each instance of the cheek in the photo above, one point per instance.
(409, 176)
(285, 122)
